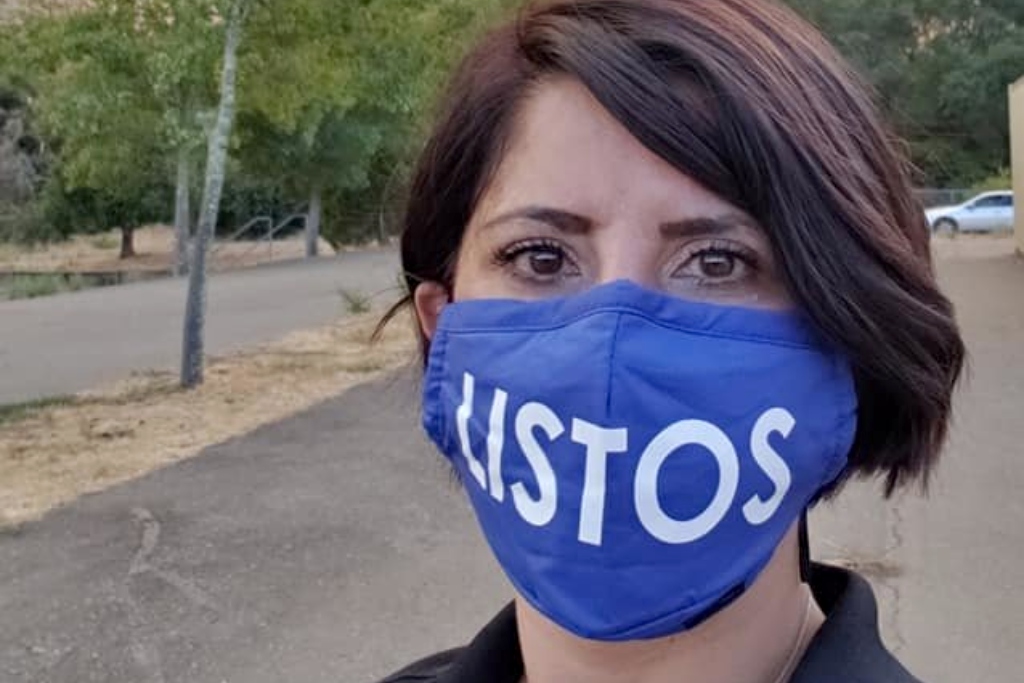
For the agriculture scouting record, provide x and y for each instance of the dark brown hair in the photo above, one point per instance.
(751, 102)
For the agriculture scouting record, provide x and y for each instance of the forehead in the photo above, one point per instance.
(567, 151)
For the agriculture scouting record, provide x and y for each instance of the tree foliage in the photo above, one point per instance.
(117, 90)
(357, 85)
(193, 345)
(330, 94)
(941, 70)
(332, 97)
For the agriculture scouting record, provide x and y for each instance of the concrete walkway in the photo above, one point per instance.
(64, 344)
(333, 547)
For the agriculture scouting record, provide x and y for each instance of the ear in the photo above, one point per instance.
(429, 299)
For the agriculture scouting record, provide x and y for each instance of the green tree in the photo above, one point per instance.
(335, 156)
(193, 343)
(183, 46)
(120, 88)
(299, 128)
(93, 114)
(357, 78)
(941, 69)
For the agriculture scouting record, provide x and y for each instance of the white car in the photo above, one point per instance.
(989, 212)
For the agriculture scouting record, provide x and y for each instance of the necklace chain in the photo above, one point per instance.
(794, 653)
(801, 636)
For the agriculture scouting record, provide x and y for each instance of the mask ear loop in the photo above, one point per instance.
(805, 550)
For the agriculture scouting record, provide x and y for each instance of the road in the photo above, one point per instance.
(333, 547)
(63, 344)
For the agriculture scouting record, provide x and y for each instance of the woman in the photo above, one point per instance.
(673, 288)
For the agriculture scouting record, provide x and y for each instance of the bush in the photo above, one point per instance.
(355, 301)
(243, 201)
(105, 242)
(1000, 181)
(35, 286)
(60, 212)
(370, 213)
(26, 224)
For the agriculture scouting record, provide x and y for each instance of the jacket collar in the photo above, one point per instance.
(847, 648)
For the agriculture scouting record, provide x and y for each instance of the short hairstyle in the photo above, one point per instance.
(751, 102)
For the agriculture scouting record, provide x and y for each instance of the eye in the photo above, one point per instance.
(717, 265)
(545, 263)
(537, 260)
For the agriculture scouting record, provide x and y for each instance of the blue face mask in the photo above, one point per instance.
(635, 459)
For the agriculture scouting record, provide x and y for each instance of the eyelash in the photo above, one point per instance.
(507, 255)
(722, 248)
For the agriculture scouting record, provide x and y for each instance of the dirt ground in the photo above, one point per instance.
(53, 453)
(972, 247)
(154, 246)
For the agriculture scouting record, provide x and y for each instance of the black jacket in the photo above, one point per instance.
(848, 647)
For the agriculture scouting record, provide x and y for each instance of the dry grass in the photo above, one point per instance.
(11, 10)
(55, 451)
(155, 247)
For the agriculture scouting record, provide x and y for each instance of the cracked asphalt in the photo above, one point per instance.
(334, 547)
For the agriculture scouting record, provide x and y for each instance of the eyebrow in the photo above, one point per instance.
(563, 221)
(575, 224)
(700, 226)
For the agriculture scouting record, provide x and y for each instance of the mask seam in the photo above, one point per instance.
(839, 366)
(611, 366)
(435, 382)
(694, 609)
(623, 312)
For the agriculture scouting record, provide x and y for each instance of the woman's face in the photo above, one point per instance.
(578, 202)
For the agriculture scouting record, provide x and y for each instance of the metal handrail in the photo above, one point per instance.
(287, 221)
(267, 238)
(245, 228)
(280, 226)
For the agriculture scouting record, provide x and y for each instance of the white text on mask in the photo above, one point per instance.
(601, 443)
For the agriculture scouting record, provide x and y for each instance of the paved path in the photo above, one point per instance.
(63, 344)
(332, 547)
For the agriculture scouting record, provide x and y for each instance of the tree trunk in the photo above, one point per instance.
(182, 215)
(192, 356)
(313, 223)
(127, 241)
